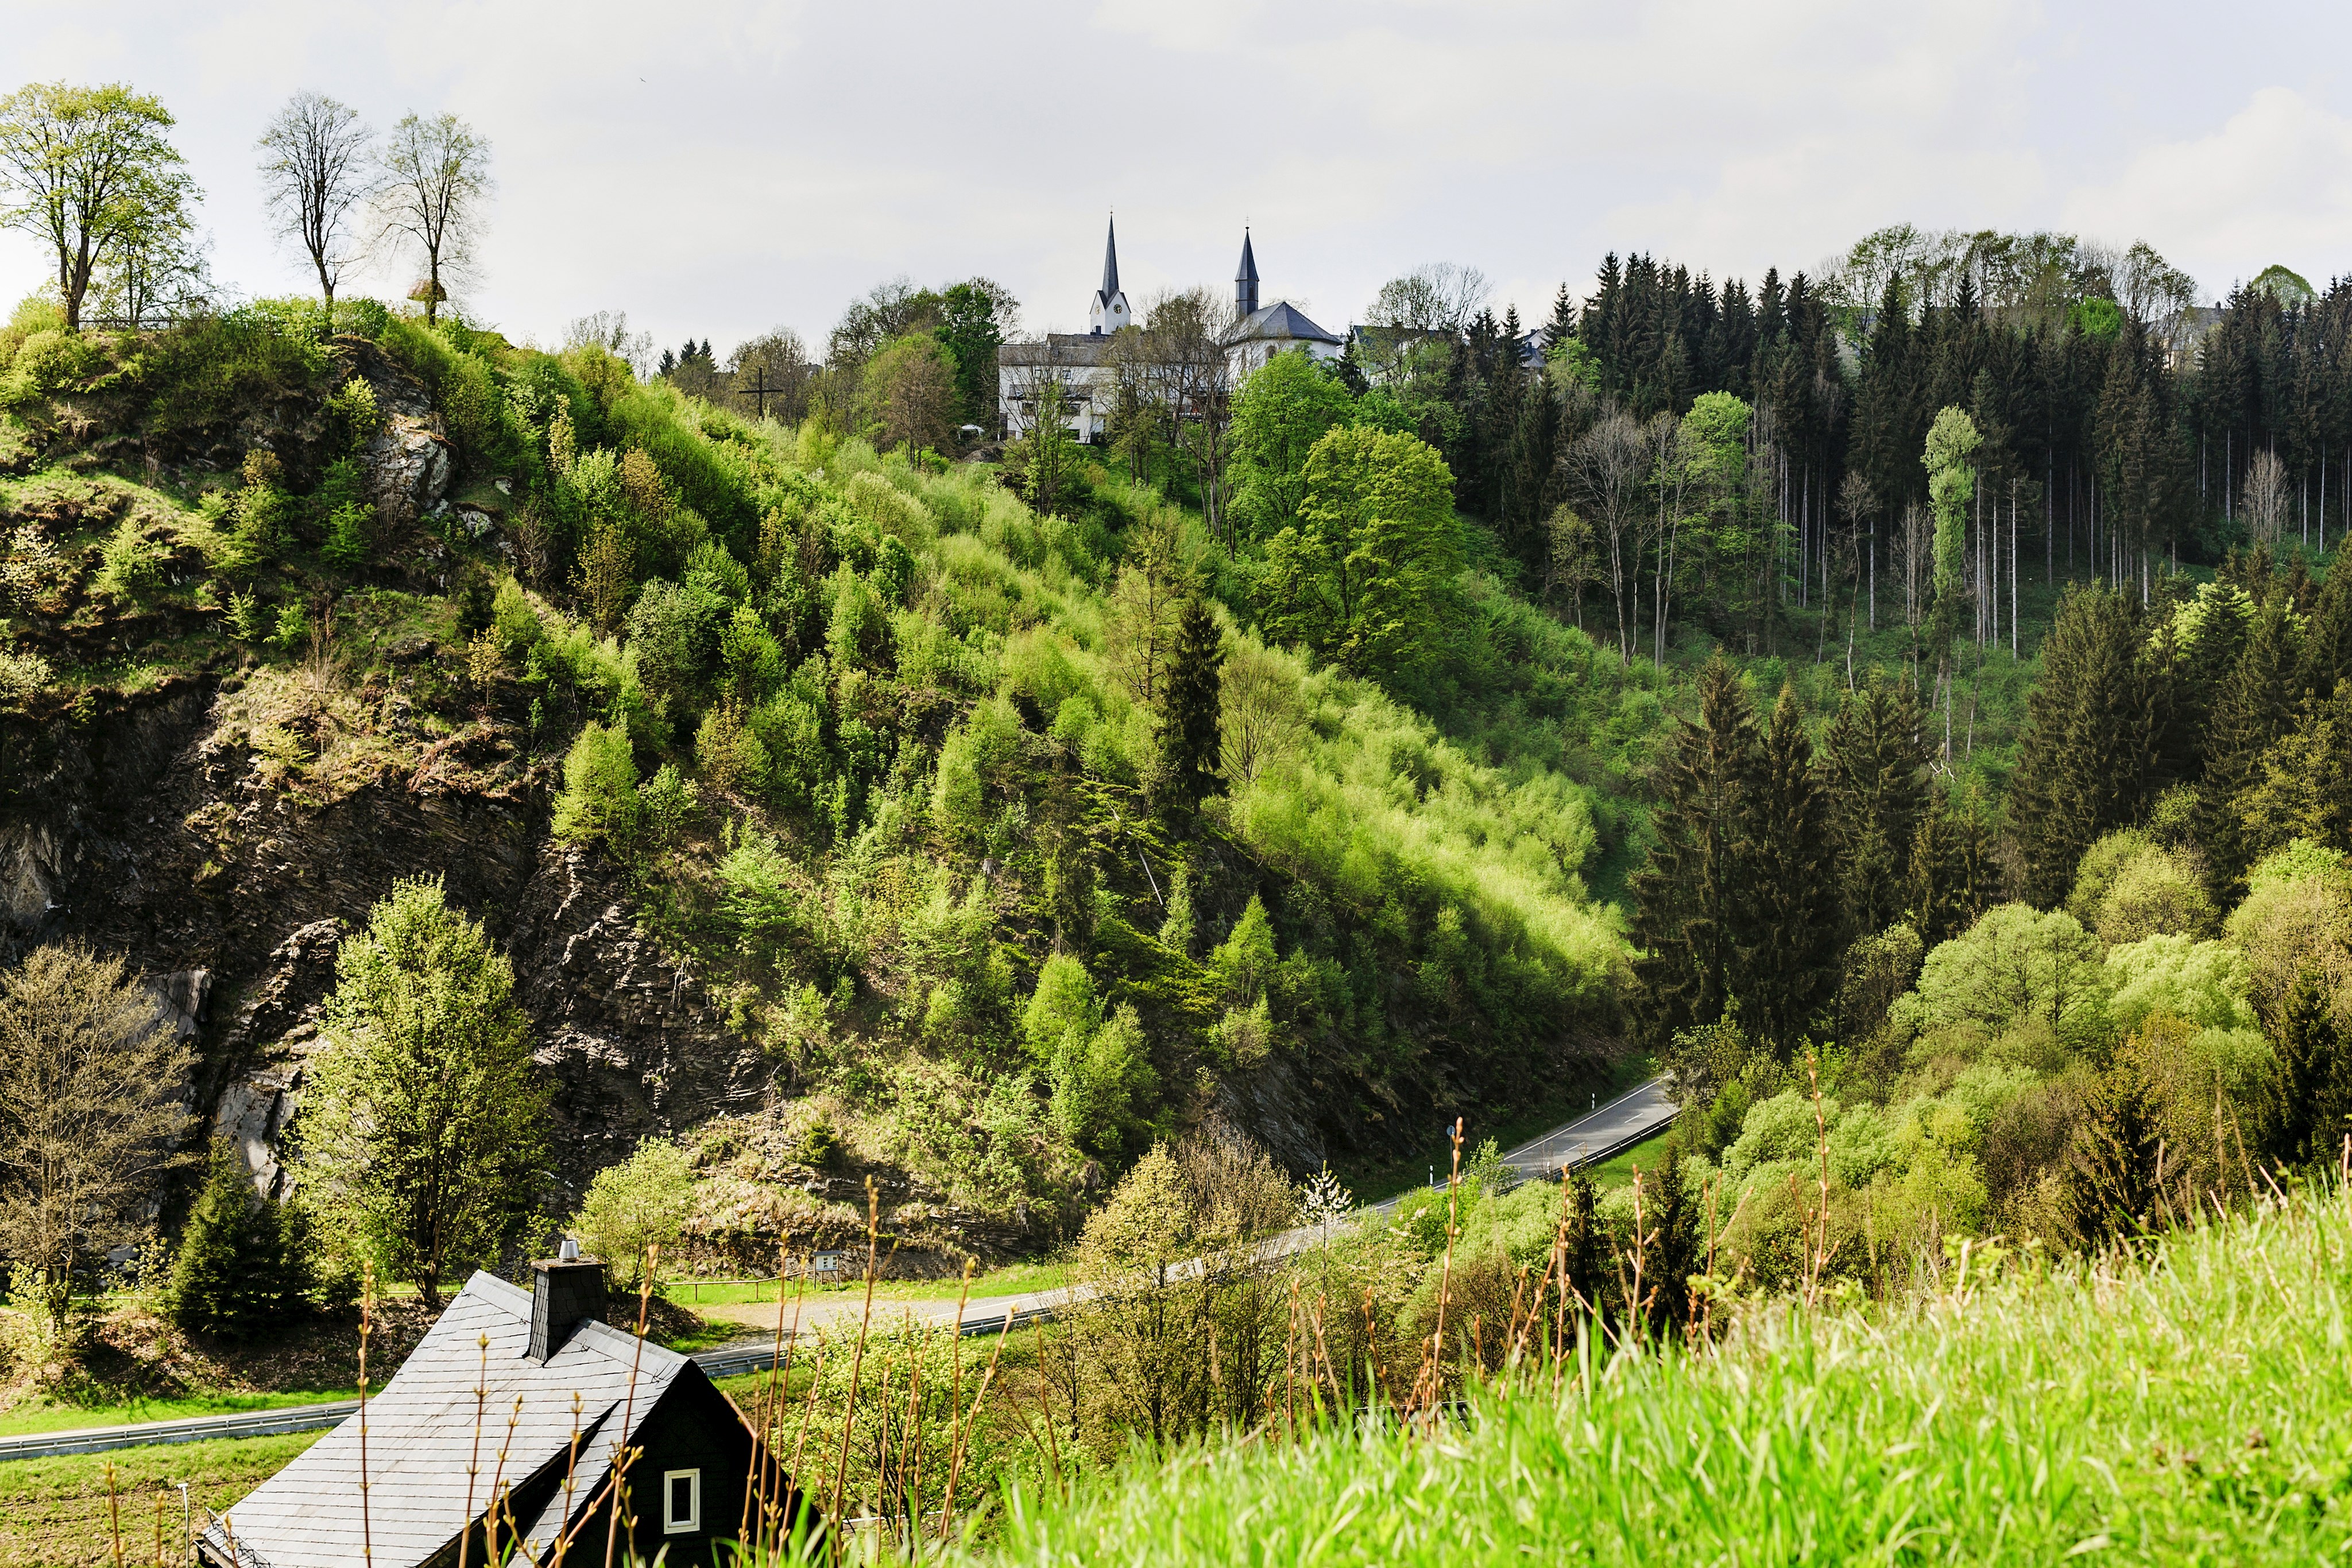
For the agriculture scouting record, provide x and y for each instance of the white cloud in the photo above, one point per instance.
(719, 166)
(2272, 183)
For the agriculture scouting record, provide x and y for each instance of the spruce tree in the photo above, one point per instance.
(2110, 1187)
(1791, 962)
(1954, 874)
(2088, 755)
(2256, 707)
(1189, 733)
(1877, 756)
(2326, 652)
(2307, 1102)
(242, 1268)
(1691, 901)
(1671, 1251)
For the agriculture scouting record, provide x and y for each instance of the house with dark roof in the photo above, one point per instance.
(394, 1492)
(1263, 331)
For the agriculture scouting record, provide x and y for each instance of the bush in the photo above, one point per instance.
(51, 361)
(642, 1202)
(242, 1266)
(130, 565)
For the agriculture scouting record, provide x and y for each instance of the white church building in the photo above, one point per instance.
(1081, 362)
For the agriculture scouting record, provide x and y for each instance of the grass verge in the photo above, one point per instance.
(2190, 1405)
(54, 1513)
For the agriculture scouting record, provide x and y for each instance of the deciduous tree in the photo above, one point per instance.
(90, 1116)
(422, 1131)
(315, 173)
(90, 174)
(433, 183)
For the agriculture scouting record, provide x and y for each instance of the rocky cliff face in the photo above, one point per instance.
(141, 833)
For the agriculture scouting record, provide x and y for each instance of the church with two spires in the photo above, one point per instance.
(1081, 361)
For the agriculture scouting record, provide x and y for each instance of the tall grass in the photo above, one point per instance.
(2189, 1404)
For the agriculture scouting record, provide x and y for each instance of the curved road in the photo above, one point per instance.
(1622, 1122)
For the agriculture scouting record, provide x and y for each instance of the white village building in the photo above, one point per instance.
(1082, 361)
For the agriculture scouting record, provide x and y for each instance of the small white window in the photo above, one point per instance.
(681, 1501)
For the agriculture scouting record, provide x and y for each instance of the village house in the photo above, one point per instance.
(585, 1389)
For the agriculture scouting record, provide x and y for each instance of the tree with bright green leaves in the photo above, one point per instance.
(1876, 757)
(1691, 901)
(1192, 738)
(1284, 408)
(1098, 1065)
(1792, 959)
(1365, 576)
(1952, 442)
(90, 174)
(422, 1135)
(600, 799)
(242, 1268)
(2088, 757)
(642, 1203)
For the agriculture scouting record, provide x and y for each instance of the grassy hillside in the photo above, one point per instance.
(871, 742)
(2185, 1406)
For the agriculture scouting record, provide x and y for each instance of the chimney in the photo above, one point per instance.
(566, 1293)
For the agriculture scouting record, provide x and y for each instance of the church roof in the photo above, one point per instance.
(1282, 322)
(421, 1432)
(1111, 262)
(1248, 272)
(1059, 349)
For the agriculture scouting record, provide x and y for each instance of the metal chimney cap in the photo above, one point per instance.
(570, 1251)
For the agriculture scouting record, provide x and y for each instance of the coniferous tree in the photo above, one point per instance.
(1791, 961)
(1670, 1248)
(242, 1268)
(2088, 755)
(2110, 1184)
(1877, 757)
(2325, 655)
(2257, 707)
(1692, 912)
(1190, 735)
(2308, 1101)
(1955, 876)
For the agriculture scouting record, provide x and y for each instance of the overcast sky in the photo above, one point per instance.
(715, 169)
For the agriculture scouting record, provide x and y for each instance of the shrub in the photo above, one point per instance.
(600, 789)
(51, 361)
(23, 677)
(667, 797)
(130, 565)
(242, 1266)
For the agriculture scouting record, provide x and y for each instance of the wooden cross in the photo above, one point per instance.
(761, 390)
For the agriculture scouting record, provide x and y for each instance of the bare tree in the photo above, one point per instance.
(435, 176)
(2266, 498)
(1435, 297)
(1610, 468)
(315, 173)
(89, 1114)
(609, 330)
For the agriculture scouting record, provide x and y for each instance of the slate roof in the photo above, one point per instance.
(420, 1438)
(1281, 321)
(1058, 349)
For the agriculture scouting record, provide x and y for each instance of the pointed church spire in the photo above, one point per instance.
(1110, 262)
(1245, 280)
